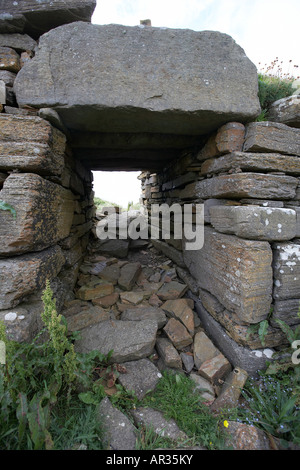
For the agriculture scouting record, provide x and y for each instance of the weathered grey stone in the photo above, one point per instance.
(215, 369)
(243, 185)
(20, 324)
(204, 387)
(118, 248)
(31, 144)
(272, 137)
(188, 361)
(37, 17)
(19, 42)
(229, 138)
(168, 353)
(246, 437)
(2, 92)
(286, 267)
(140, 377)
(44, 213)
(119, 432)
(128, 275)
(145, 313)
(286, 310)
(129, 340)
(171, 290)
(155, 420)
(7, 77)
(9, 60)
(250, 360)
(23, 275)
(255, 223)
(238, 331)
(178, 334)
(180, 309)
(204, 349)
(246, 161)
(149, 100)
(286, 111)
(171, 252)
(238, 272)
(231, 390)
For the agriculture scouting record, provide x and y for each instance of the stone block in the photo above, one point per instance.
(286, 267)
(178, 334)
(19, 42)
(141, 377)
(286, 111)
(238, 272)
(171, 290)
(44, 213)
(23, 275)
(118, 431)
(128, 275)
(252, 162)
(272, 137)
(215, 369)
(243, 185)
(31, 144)
(9, 60)
(254, 223)
(180, 309)
(168, 353)
(95, 290)
(229, 138)
(7, 77)
(129, 340)
(37, 17)
(204, 349)
(145, 313)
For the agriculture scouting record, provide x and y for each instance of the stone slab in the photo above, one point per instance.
(253, 162)
(119, 432)
(23, 275)
(44, 213)
(145, 313)
(255, 223)
(243, 185)
(286, 111)
(140, 377)
(286, 267)
(37, 17)
(128, 86)
(129, 340)
(19, 42)
(31, 144)
(238, 272)
(272, 137)
(239, 356)
(168, 353)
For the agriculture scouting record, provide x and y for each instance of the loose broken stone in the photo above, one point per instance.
(216, 368)
(119, 432)
(141, 377)
(94, 291)
(204, 349)
(107, 300)
(88, 317)
(129, 340)
(145, 313)
(181, 310)
(177, 333)
(172, 290)
(128, 275)
(168, 353)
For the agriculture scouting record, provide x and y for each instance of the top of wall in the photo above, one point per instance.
(36, 17)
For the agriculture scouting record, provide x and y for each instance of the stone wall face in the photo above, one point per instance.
(248, 178)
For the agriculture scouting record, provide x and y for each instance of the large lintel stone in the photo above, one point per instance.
(114, 78)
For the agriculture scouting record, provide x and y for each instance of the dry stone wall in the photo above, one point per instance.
(248, 179)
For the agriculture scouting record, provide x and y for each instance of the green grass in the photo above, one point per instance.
(175, 398)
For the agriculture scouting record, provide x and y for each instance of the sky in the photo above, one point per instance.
(265, 29)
